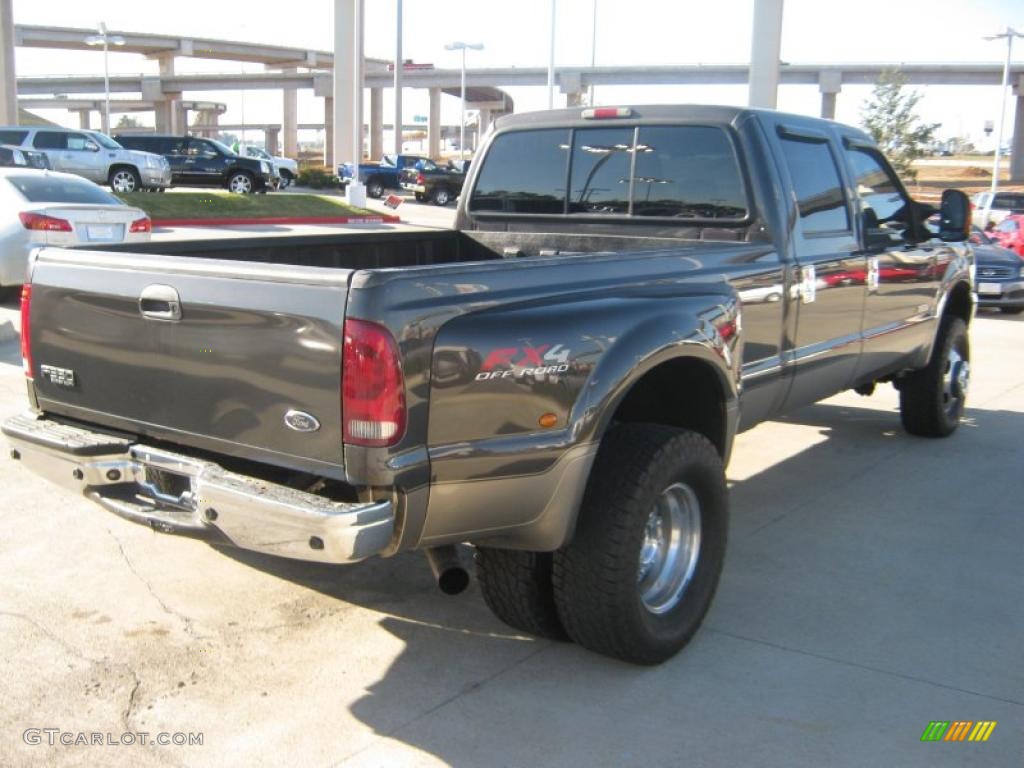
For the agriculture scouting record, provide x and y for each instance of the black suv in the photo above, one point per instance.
(198, 162)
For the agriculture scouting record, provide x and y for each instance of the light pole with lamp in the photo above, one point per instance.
(105, 39)
(461, 46)
(1009, 34)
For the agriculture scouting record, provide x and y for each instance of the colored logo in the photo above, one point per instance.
(958, 730)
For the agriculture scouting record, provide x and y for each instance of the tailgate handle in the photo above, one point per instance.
(160, 302)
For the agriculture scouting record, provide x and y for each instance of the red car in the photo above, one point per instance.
(1010, 233)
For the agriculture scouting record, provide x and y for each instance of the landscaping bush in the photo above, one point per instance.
(317, 178)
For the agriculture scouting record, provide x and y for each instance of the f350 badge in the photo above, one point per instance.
(62, 377)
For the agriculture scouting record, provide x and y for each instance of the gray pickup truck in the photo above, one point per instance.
(557, 382)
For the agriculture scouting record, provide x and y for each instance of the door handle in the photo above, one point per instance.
(160, 302)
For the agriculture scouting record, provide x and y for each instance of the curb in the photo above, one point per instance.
(231, 222)
(7, 332)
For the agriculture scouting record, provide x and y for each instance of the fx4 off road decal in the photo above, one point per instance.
(519, 362)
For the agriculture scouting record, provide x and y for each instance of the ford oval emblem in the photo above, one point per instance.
(301, 421)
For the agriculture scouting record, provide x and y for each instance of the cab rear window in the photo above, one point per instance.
(682, 172)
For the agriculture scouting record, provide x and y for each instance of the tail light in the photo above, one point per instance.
(26, 329)
(39, 222)
(141, 225)
(420, 179)
(372, 386)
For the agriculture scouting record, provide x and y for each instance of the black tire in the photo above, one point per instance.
(420, 197)
(1011, 310)
(124, 180)
(241, 182)
(517, 588)
(375, 188)
(932, 399)
(597, 576)
(440, 196)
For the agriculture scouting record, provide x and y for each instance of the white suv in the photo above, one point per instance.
(93, 155)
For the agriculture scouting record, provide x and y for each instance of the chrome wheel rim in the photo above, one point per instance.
(123, 182)
(956, 379)
(670, 548)
(441, 198)
(241, 184)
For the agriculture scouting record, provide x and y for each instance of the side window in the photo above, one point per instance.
(12, 137)
(172, 146)
(883, 207)
(200, 149)
(50, 140)
(79, 143)
(687, 172)
(819, 190)
(600, 170)
(524, 172)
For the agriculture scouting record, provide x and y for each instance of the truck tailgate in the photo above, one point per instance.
(201, 352)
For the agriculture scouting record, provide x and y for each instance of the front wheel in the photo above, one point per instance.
(240, 183)
(124, 181)
(932, 399)
(638, 576)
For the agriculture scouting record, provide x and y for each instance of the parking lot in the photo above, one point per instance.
(873, 584)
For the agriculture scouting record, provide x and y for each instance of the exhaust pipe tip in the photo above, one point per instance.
(451, 577)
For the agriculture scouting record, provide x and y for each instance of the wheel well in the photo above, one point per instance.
(679, 393)
(959, 303)
(115, 168)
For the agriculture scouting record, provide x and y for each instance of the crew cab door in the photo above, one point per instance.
(86, 158)
(903, 273)
(203, 164)
(829, 284)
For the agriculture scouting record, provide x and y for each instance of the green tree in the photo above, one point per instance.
(890, 117)
(128, 122)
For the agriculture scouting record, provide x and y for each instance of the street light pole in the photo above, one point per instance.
(593, 53)
(105, 39)
(1009, 34)
(551, 60)
(461, 46)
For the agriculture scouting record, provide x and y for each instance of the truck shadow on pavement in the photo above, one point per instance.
(454, 649)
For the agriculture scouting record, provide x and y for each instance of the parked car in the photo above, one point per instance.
(999, 274)
(93, 155)
(18, 157)
(382, 176)
(40, 207)
(1003, 204)
(440, 184)
(200, 162)
(287, 169)
(557, 381)
(1009, 233)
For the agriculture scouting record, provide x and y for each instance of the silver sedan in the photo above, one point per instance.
(48, 208)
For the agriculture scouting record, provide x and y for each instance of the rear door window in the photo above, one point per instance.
(50, 140)
(525, 172)
(819, 190)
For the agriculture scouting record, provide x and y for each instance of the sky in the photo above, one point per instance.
(515, 33)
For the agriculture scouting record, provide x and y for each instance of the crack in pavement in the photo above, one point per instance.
(54, 637)
(185, 620)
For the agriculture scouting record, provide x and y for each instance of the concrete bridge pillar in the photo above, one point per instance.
(1017, 142)
(329, 132)
(84, 119)
(830, 82)
(8, 81)
(434, 124)
(764, 54)
(377, 123)
(273, 140)
(290, 122)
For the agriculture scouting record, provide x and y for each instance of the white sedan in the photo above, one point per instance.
(48, 208)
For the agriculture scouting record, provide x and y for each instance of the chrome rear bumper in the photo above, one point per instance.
(174, 493)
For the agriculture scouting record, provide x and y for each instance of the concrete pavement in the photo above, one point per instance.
(873, 584)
